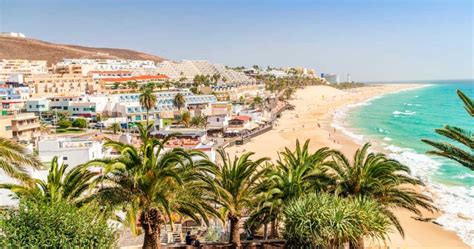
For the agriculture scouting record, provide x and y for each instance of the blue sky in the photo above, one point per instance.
(372, 40)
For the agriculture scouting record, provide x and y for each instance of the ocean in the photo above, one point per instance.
(396, 123)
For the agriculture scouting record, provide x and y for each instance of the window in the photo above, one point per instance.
(65, 158)
(8, 128)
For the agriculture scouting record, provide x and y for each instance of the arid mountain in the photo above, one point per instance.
(31, 49)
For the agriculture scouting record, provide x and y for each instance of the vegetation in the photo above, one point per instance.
(79, 123)
(295, 174)
(320, 198)
(55, 225)
(64, 123)
(115, 127)
(199, 121)
(328, 221)
(148, 100)
(61, 186)
(150, 184)
(185, 119)
(236, 184)
(374, 176)
(179, 101)
(14, 159)
(463, 153)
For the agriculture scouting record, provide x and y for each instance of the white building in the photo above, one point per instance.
(108, 64)
(70, 151)
(218, 122)
(21, 67)
(188, 69)
(37, 105)
(331, 78)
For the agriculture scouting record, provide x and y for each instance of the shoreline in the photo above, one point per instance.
(313, 118)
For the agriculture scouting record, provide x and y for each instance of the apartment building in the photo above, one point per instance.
(22, 67)
(66, 69)
(128, 105)
(107, 64)
(233, 92)
(22, 127)
(188, 69)
(97, 75)
(80, 106)
(37, 106)
(8, 92)
(61, 84)
(120, 84)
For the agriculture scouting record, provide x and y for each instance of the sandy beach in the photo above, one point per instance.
(311, 119)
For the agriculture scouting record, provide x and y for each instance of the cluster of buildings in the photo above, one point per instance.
(32, 93)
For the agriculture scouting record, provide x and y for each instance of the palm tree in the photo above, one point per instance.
(116, 85)
(152, 184)
(376, 177)
(14, 159)
(115, 127)
(61, 185)
(236, 186)
(459, 135)
(296, 173)
(186, 119)
(148, 101)
(257, 101)
(199, 121)
(179, 101)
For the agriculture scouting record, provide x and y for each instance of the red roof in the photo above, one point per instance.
(136, 78)
(242, 118)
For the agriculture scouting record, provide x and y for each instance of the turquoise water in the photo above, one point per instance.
(397, 122)
(409, 116)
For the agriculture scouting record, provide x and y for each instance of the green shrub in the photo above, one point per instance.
(327, 221)
(58, 225)
(64, 123)
(79, 123)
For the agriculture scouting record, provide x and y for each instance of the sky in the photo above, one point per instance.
(384, 40)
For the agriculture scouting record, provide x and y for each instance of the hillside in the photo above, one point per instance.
(31, 49)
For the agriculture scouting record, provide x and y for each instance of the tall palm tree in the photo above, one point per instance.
(179, 101)
(14, 159)
(459, 135)
(376, 177)
(148, 101)
(236, 183)
(61, 185)
(297, 172)
(152, 184)
(186, 119)
(199, 121)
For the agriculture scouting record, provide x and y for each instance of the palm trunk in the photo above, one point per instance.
(234, 237)
(150, 221)
(265, 231)
(274, 229)
(147, 117)
(357, 245)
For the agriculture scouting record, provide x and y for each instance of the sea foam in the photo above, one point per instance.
(456, 202)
